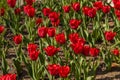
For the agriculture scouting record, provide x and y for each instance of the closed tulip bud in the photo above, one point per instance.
(98, 5)
(74, 23)
(53, 69)
(116, 52)
(74, 37)
(66, 9)
(34, 55)
(77, 47)
(54, 16)
(29, 2)
(2, 11)
(109, 35)
(51, 32)
(86, 50)
(106, 9)
(38, 21)
(32, 47)
(42, 32)
(2, 28)
(76, 6)
(88, 11)
(29, 10)
(46, 11)
(64, 71)
(17, 11)
(55, 23)
(60, 38)
(17, 39)
(94, 52)
(11, 3)
(91, 12)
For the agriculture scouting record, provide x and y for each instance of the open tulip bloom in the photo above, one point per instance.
(58, 39)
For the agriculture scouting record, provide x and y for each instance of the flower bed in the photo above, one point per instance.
(58, 39)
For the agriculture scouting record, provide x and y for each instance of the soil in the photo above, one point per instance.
(113, 74)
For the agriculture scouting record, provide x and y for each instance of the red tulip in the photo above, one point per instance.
(74, 23)
(51, 32)
(53, 69)
(25, 8)
(81, 40)
(54, 16)
(109, 35)
(39, 21)
(11, 3)
(76, 6)
(55, 23)
(86, 50)
(98, 5)
(115, 52)
(66, 8)
(42, 31)
(32, 47)
(51, 50)
(77, 47)
(91, 12)
(115, 1)
(29, 10)
(8, 77)
(94, 52)
(17, 39)
(2, 11)
(33, 52)
(117, 5)
(17, 11)
(60, 38)
(85, 10)
(64, 71)
(34, 55)
(106, 9)
(2, 28)
(30, 2)
(117, 13)
(74, 37)
(46, 11)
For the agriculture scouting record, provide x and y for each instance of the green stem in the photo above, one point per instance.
(106, 23)
(115, 44)
(33, 70)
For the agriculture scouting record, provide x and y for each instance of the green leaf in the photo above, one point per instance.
(5, 66)
(28, 66)
(17, 65)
